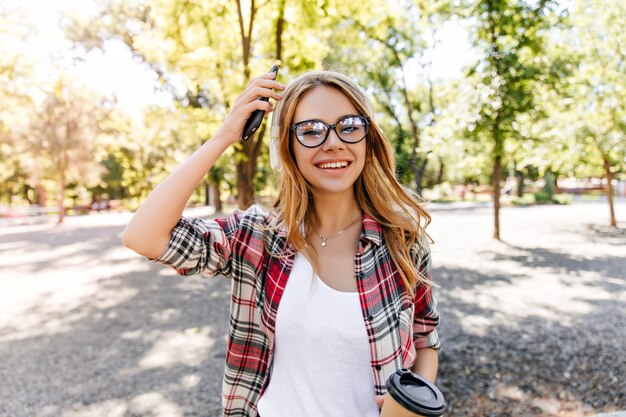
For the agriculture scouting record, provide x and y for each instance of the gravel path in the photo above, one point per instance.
(532, 326)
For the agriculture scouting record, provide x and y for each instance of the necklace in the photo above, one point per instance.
(324, 239)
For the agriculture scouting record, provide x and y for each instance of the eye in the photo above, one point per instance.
(311, 132)
(351, 124)
(311, 129)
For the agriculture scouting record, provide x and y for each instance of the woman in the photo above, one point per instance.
(331, 291)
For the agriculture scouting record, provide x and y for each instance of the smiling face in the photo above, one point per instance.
(334, 166)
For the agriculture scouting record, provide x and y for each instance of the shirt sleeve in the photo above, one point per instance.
(426, 317)
(206, 246)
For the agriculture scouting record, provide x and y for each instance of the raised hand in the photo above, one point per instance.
(247, 102)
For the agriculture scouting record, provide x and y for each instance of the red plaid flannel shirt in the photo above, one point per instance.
(233, 247)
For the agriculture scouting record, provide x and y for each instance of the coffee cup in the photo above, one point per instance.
(410, 395)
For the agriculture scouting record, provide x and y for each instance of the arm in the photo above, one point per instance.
(426, 319)
(148, 232)
(426, 363)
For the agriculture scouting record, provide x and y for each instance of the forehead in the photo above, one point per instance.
(324, 103)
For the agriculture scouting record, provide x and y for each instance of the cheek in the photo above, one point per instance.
(360, 166)
(302, 157)
(362, 156)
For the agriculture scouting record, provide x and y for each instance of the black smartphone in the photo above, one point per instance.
(256, 117)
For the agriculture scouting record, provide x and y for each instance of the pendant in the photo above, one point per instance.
(323, 242)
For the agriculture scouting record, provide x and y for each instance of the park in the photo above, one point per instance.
(531, 325)
(505, 120)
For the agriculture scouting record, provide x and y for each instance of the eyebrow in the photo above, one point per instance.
(320, 120)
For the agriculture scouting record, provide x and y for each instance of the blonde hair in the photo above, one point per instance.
(377, 191)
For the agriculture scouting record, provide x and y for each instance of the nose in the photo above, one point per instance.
(333, 141)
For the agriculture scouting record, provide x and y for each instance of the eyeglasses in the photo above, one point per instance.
(349, 129)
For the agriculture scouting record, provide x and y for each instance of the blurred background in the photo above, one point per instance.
(518, 102)
(507, 116)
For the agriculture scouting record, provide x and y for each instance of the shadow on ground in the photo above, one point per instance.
(89, 244)
(139, 343)
(528, 365)
(145, 342)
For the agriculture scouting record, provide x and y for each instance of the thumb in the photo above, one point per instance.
(379, 400)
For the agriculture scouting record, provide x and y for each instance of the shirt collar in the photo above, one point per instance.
(371, 230)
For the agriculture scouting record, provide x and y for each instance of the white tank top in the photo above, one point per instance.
(321, 365)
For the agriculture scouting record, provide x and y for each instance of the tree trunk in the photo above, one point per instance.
(61, 202)
(246, 169)
(609, 189)
(280, 26)
(41, 195)
(245, 196)
(207, 192)
(520, 183)
(217, 197)
(440, 172)
(497, 173)
(244, 188)
(418, 165)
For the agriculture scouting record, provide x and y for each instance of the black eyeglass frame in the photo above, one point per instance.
(293, 127)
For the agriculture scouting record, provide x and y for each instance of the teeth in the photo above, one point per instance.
(334, 165)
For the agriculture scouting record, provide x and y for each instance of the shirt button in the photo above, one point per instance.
(370, 317)
(378, 367)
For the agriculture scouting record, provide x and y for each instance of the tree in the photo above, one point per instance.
(202, 61)
(512, 34)
(394, 39)
(17, 78)
(599, 94)
(62, 137)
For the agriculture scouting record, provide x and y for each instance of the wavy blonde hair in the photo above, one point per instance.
(377, 191)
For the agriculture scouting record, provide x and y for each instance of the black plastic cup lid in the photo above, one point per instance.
(416, 394)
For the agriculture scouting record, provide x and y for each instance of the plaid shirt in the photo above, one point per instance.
(396, 323)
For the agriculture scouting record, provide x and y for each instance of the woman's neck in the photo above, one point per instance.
(335, 213)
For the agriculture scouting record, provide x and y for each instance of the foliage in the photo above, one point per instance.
(389, 56)
(597, 105)
(16, 68)
(512, 33)
(546, 94)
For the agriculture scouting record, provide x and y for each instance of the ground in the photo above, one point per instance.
(531, 326)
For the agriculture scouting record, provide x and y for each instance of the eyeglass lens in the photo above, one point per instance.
(349, 129)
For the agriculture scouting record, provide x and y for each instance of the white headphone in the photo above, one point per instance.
(275, 161)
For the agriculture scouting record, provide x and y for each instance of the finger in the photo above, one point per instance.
(268, 76)
(258, 105)
(255, 93)
(273, 84)
(268, 84)
(265, 92)
(379, 399)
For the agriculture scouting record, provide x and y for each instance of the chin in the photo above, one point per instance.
(326, 189)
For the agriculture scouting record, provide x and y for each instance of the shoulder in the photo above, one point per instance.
(255, 219)
(258, 210)
(255, 213)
